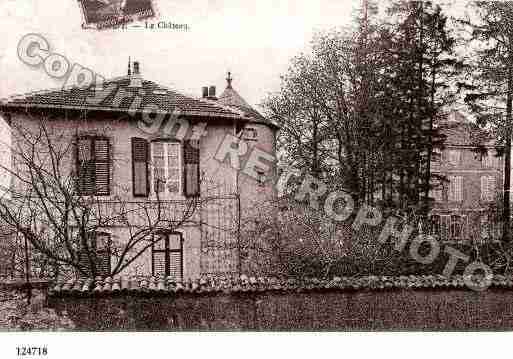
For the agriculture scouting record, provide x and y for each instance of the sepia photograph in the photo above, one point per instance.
(217, 167)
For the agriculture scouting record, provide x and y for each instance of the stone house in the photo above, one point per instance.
(467, 197)
(134, 142)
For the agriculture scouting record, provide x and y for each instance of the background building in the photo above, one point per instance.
(467, 198)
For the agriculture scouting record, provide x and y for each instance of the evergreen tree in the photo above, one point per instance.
(491, 94)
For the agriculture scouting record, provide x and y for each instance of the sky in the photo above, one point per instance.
(255, 40)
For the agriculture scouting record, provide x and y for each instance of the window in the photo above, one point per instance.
(457, 225)
(444, 226)
(436, 156)
(435, 225)
(93, 165)
(250, 133)
(167, 256)
(454, 157)
(167, 164)
(455, 189)
(140, 168)
(487, 188)
(192, 168)
(437, 192)
(99, 249)
(485, 227)
(490, 160)
(261, 177)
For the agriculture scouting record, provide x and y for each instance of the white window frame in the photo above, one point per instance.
(487, 194)
(166, 194)
(455, 193)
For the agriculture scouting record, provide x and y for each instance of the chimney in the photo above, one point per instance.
(204, 91)
(135, 77)
(212, 93)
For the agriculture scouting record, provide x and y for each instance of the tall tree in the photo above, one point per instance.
(491, 94)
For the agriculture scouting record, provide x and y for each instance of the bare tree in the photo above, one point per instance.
(46, 205)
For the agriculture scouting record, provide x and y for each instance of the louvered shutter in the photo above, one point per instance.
(167, 257)
(99, 252)
(491, 188)
(459, 188)
(102, 166)
(159, 264)
(175, 256)
(484, 188)
(175, 265)
(159, 256)
(140, 159)
(84, 261)
(191, 168)
(85, 166)
(102, 252)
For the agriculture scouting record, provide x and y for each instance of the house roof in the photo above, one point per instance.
(155, 98)
(243, 284)
(231, 98)
(117, 94)
(460, 131)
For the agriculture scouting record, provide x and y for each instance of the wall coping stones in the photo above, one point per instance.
(244, 284)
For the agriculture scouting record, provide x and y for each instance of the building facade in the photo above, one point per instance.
(468, 180)
(131, 143)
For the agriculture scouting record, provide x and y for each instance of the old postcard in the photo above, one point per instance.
(217, 165)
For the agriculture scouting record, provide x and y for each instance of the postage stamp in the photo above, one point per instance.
(103, 14)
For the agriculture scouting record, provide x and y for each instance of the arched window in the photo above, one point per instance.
(167, 255)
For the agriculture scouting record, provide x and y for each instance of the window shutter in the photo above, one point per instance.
(140, 159)
(452, 181)
(85, 166)
(484, 188)
(191, 168)
(100, 250)
(159, 264)
(491, 188)
(103, 248)
(102, 166)
(175, 265)
(459, 187)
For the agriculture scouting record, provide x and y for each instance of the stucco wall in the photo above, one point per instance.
(217, 178)
(401, 309)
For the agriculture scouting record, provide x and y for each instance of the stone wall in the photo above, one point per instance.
(385, 309)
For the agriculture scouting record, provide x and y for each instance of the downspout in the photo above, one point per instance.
(237, 195)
